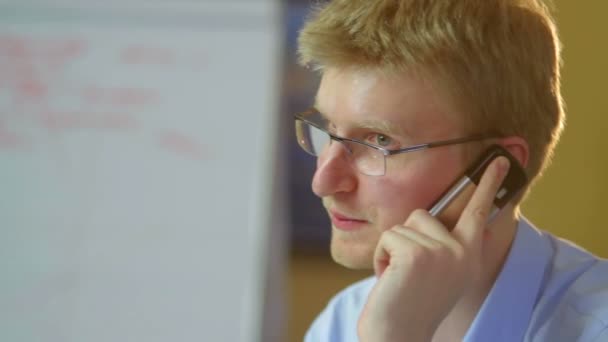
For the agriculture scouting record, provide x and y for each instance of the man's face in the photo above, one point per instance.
(406, 111)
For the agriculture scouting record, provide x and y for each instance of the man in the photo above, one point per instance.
(468, 74)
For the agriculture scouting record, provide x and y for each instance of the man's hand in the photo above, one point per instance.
(423, 269)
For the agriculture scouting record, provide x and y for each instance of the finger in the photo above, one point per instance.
(403, 245)
(422, 221)
(419, 237)
(471, 224)
(389, 242)
(392, 246)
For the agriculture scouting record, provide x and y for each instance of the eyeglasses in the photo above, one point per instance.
(367, 158)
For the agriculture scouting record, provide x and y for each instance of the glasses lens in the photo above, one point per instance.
(367, 160)
(310, 138)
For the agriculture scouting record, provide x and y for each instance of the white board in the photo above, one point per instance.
(136, 156)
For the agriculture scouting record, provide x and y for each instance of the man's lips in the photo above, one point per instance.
(345, 222)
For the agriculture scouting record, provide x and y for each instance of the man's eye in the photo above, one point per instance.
(380, 140)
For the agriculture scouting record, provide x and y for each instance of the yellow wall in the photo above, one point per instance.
(570, 198)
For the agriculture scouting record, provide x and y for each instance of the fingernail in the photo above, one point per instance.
(503, 165)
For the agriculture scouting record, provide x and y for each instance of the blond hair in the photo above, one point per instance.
(499, 60)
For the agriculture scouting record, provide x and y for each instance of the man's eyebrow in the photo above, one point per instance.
(383, 126)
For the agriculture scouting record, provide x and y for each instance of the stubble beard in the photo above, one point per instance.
(352, 250)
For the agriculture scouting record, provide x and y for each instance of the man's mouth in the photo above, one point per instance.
(346, 222)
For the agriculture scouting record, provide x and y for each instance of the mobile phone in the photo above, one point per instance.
(513, 182)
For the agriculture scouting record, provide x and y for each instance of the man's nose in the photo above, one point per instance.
(334, 172)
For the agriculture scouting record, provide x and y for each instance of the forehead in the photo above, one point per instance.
(350, 97)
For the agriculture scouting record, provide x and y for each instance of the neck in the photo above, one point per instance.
(497, 243)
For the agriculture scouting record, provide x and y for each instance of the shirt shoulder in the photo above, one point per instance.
(338, 321)
(573, 303)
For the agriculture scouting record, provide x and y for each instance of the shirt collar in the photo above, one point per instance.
(506, 311)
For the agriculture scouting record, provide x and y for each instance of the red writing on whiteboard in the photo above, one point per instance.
(9, 140)
(182, 144)
(50, 50)
(140, 54)
(65, 120)
(31, 89)
(119, 96)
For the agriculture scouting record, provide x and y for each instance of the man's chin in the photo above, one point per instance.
(353, 257)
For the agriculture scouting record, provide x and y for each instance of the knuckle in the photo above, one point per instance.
(393, 234)
(389, 233)
(438, 247)
(398, 229)
(448, 250)
(459, 253)
(479, 214)
(418, 213)
(416, 216)
(421, 214)
(419, 254)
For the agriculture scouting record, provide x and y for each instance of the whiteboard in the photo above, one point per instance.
(136, 168)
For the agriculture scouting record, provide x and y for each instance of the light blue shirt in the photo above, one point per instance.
(548, 290)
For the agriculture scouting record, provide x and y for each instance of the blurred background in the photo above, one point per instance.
(568, 201)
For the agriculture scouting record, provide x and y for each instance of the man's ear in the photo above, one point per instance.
(518, 147)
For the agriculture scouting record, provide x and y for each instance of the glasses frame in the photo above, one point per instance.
(387, 152)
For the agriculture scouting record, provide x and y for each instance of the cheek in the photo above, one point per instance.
(416, 188)
(397, 198)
